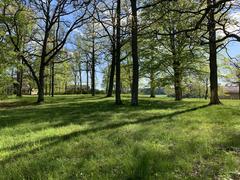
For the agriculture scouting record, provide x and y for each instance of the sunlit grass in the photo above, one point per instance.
(84, 137)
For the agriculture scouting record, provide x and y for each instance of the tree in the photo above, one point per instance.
(213, 54)
(118, 100)
(93, 63)
(49, 17)
(177, 53)
(151, 63)
(232, 66)
(106, 16)
(134, 45)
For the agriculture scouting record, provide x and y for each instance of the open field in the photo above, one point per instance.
(83, 137)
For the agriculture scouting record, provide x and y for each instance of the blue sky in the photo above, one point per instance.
(234, 48)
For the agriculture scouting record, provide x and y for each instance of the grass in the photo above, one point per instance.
(83, 137)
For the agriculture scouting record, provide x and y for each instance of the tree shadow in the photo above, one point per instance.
(51, 141)
(232, 144)
(78, 112)
(16, 104)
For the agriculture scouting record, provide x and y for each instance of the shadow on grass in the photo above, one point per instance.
(32, 101)
(50, 141)
(16, 104)
(232, 144)
(77, 110)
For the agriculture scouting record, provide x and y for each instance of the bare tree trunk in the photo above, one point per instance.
(118, 100)
(213, 55)
(135, 78)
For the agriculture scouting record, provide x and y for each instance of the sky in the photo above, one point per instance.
(234, 49)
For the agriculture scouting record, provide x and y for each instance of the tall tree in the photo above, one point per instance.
(135, 70)
(118, 100)
(93, 62)
(106, 16)
(213, 54)
(49, 16)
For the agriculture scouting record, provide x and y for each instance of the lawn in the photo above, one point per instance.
(84, 137)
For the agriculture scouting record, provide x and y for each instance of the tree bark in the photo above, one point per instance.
(19, 81)
(80, 75)
(113, 65)
(152, 85)
(177, 69)
(118, 100)
(206, 89)
(50, 79)
(93, 63)
(214, 99)
(30, 90)
(112, 72)
(135, 67)
(53, 79)
(41, 84)
(75, 82)
(177, 80)
(46, 87)
(87, 73)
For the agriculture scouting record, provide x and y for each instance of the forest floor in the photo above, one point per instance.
(84, 137)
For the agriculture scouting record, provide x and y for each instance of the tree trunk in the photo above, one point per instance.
(53, 80)
(93, 63)
(41, 84)
(75, 82)
(30, 90)
(152, 85)
(176, 68)
(50, 79)
(111, 78)
(118, 100)
(46, 88)
(135, 68)
(65, 88)
(87, 73)
(80, 75)
(213, 56)
(19, 81)
(113, 65)
(206, 89)
(177, 80)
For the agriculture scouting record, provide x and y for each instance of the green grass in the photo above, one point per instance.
(83, 137)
